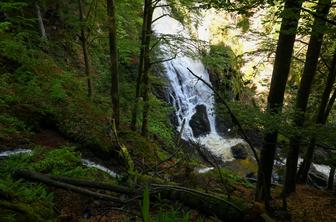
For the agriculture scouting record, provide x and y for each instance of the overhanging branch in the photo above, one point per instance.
(332, 22)
(164, 60)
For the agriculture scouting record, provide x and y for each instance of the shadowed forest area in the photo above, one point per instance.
(167, 110)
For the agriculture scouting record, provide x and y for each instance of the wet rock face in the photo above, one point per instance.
(239, 151)
(199, 122)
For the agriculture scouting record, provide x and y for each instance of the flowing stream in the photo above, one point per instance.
(186, 91)
(323, 169)
(85, 162)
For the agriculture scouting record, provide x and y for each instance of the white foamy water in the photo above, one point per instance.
(90, 164)
(14, 152)
(324, 169)
(187, 91)
(205, 170)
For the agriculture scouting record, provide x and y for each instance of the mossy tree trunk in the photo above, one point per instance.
(146, 70)
(140, 65)
(83, 39)
(113, 60)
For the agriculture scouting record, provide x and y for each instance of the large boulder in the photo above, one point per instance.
(199, 122)
(239, 151)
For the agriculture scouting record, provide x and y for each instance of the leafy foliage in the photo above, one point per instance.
(222, 62)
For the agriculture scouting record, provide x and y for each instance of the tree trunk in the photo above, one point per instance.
(40, 21)
(321, 118)
(312, 56)
(146, 71)
(85, 48)
(140, 65)
(276, 95)
(330, 105)
(331, 178)
(114, 61)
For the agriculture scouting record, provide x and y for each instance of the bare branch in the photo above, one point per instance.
(160, 17)
(332, 22)
(162, 6)
(164, 60)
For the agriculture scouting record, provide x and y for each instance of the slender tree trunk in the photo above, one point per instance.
(83, 40)
(276, 95)
(114, 61)
(330, 105)
(331, 178)
(40, 21)
(322, 116)
(141, 65)
(313, 53)
(146, 71)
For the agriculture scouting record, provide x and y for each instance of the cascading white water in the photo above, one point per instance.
(186, 91)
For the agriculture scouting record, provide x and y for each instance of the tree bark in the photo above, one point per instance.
(291, 16)
(140, 65)
(85, 48)
(331, 178)
(146, 71)
(40, 21)
(312, 56)
(322, 115)
(114, 61)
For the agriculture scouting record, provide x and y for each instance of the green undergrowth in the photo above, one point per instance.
(34, 90)
(149, 150)
(165, 212)
(35, 199)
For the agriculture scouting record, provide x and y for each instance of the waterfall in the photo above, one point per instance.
(186, 92)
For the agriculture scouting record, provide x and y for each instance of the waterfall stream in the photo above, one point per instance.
(85, 162)
(186, 92)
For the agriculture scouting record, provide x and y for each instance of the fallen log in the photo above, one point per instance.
(206, 203)
(33, 176)
(95, 185)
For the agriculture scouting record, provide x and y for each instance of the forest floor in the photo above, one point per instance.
(309, 204)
